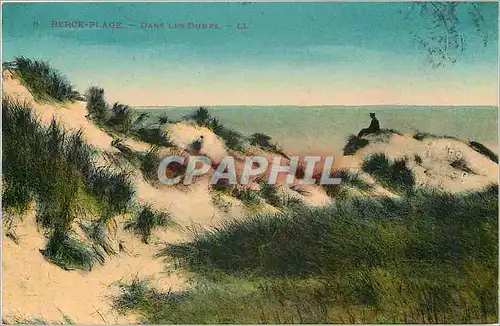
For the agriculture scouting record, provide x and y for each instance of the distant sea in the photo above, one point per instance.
(323, 130)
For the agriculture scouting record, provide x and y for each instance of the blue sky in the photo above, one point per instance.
(292, 53)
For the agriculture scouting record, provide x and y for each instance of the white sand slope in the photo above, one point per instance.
(436, 155)
(34, 288)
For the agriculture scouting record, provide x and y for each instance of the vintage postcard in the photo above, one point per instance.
(250, 162)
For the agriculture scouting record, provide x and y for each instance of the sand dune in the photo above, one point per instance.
(437, 156)
(32, 287)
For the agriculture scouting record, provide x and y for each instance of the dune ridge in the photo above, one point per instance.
(41, 289)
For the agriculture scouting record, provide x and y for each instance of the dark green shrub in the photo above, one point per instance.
(425, 135)
(349, 179)
(154, 136)
(96, 104)
(429, 227)
(270, 194)
(463, 165)
(121, 118)
(248, 197)
(233, 139)
(149, 164)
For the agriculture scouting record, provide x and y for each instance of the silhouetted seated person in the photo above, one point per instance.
(373, 128)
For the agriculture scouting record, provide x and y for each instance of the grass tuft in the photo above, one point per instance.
(395, 176)
(270, 194)
(264, 142)
(202, 117)
(146, 220)
(349, 180)
(56, 169)
(69, 253)
(354, 144)
(426, 135)
(43, 81)
(480, 148)
(149, 164)
(120, 118)
(463, 165)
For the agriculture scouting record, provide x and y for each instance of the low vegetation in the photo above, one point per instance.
(68, 252)
(462, 165)
(233, 139)
(354, 144)
(249, 197)
(146, 220)
(427, 258)
(426, 135)
(149, 164)
(480, 148)
(56, 170)
(349, 180)
(43, 81)
(38, 321)
(264, 142)
(393, 175)
(119, 118)
(270, 194)
(252, 199)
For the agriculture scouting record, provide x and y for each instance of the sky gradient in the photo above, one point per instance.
(292, 53)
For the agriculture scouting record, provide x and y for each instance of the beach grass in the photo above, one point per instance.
(146, 219)
(480, 148)
(462, 165)
(202, 117)
(120, 119)
(96, 104)
(425, 135)
(249, 197)
(98, 234)
(349, 179)
(264, 142)
(354, 144)
(393, 175)
(56, 170)
(270, 194)
(44, 82)
(149, 164)
(155, 136)
(69, 253)
(427, 258)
